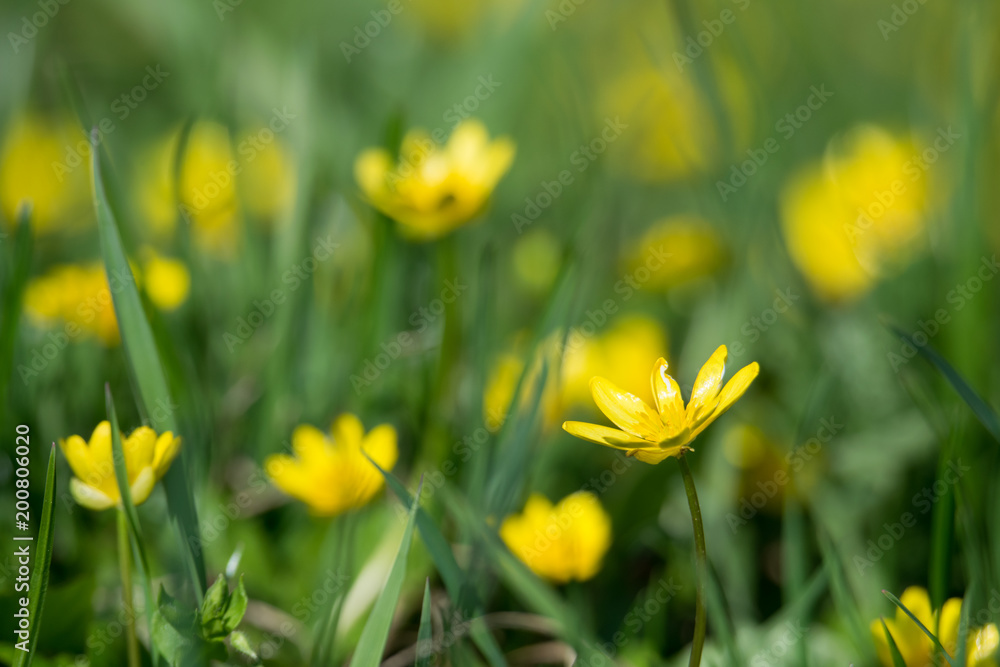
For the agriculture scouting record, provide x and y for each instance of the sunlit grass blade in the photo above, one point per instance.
(897, 657)
(145, 370)
(920, 625)
(462, 594)
(130, 514)
(986, 415)
(14, 282)
(39, 582)
(371, 646)
(424, 641)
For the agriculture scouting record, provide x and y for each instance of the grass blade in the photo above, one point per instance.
(39, 583)
(425, 644)
(897, 657)
(13, 297)
(920, 625)
(146, 371)
(375, 634)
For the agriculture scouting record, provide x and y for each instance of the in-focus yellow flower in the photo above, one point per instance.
(652, 435)
(433, 190)
(563, 542)
(695, 251)
(916, 647)
(208, 189)
(859, 212)
(45, 162)
(331, 474)
(147, 459)
(166, 280)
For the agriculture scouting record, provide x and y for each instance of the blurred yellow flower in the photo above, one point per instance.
(653, 435)
(267, 180)
(156, 187)
(331, 474)
(561, 543)
(147, 459)
(47, 163)
(859, 212)
(80, 296)
(165, 279)
(916, 647)
(433, 190)
(502, 383)
(207, 189)
(695, 251)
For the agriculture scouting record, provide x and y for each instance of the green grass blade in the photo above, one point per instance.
(943, 527)
(425, 643)
(13, 296)
(39, 582)
(897, 657)
(961, 649)
(462, 595)
(920, 625)
(986, 415)
(146, 372)
(794, 558)
(130, 513)
(843, 599)
(371, 646)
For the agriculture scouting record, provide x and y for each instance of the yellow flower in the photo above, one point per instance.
(166, 280)
(267, 182)
(854, 215)
(433, 190)
(45, 162)
(147, 459)
(563, 542)
(331, 474)
(208, 188)
(695, 249)
(77, 295)
(653, 435)
(916, 647)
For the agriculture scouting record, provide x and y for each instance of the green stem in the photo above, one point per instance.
(701, 563)
(125, 565)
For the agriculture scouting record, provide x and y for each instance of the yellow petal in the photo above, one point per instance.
(380, 444)
(89, 497)
(736, 387)
(100, 448)
(289, 475)
(370, 170)
(656, 455)
(165, 450)
(142, 486)
(982, 646)
(77, 455)
(629, 412)
(667, 395)
(604, 435)
(707, 384)
(347, 431)
(309, 443)
(138, 448)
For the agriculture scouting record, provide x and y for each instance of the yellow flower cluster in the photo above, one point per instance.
(331, 474)
(45, 162)
(147, 459)
(81, 297)
(432, 190)
(916, 647)
(562, 542)
(214, 183)
(857, 213)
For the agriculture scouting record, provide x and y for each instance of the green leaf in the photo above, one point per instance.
(145, 370)
(986, 415)
(425, 642)
(897, 657)
(371, 646)
(237, 607)
(39, 582)
(920, 625)
(241, 645)
(13, 296)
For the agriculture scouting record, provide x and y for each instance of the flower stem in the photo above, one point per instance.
(125, 565)
(701, 563)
